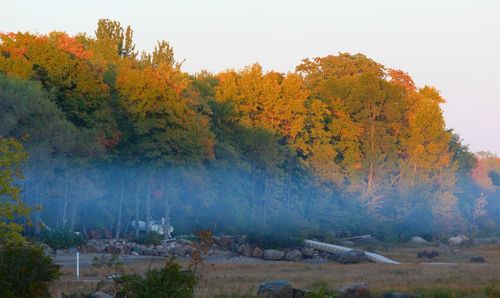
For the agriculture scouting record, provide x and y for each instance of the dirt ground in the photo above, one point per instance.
(240, 277)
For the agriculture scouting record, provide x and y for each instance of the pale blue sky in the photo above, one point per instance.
(453, 45)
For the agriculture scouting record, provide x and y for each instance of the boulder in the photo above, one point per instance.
(100, 294)
(275, 289)
(477, 259)
(294, 255)
(458, 240)
(179, 251)
(418, 240)
(60, 252)
(307, 252)
(397, 295)
(353, 256)
(225, 242)
(90, 249)
(150, 252)
(360, 290)
(428, 253)
(136, 251)
(112, 250)
(245, 250)
(216, 240)
(257, 252)
(273, 255)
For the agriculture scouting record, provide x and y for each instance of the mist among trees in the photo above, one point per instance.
(340, 146)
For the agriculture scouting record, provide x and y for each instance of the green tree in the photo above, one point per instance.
(12, 156)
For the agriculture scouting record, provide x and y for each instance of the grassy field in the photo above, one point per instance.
(459, 279)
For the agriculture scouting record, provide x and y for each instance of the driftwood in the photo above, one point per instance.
(342, 249)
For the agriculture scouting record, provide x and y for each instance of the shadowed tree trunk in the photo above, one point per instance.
(148, 204)
(136, 226)
(120, 207)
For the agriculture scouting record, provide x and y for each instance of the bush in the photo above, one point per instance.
(25, 271)
(169, 281)
(151, 238)
(61, 238)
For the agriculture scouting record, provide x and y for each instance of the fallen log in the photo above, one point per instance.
(331, 248)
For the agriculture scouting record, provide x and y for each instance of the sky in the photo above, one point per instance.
(453, 45)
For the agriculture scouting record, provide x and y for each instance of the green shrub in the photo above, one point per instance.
(25, 271)
(169, 281)
(61, 238)
(151, 238)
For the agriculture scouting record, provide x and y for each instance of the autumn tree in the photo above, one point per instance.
(12, 155)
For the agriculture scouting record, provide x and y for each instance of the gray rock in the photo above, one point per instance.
(150, 252)
(179, 251)
(397, 295)
(458, 240)
(216, 240)
(100, 294)
(294, 255)
(60, 252)
(307, 252)
(353, 256)
(325, 255)
(134, 253)
(245, 250)
(275, 289)
(360, 290)
(90, 249)
(257, 252)
(273, 255)
(477, 259)
(112, 249)
(225, 242)
(137, 250)
(418, 240)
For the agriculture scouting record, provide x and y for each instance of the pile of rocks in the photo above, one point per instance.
(225, 246)
(284, 289)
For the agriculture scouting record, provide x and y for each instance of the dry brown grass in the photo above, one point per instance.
(236, 280)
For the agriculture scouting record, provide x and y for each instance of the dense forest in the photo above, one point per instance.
(340, 146)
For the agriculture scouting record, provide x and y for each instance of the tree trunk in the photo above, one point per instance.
(136, 226)
(73, 214)
(289, 181)
(37, 210)
(120, 208)
(65, 205)
(168, 183)
(148, 205)
(371, 170)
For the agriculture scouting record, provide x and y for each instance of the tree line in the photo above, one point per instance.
(341, 145)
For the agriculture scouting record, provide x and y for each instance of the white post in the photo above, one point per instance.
(77, 266)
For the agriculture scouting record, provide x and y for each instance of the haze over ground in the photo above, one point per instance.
(452, 45)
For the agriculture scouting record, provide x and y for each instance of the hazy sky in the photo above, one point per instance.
(453, 45)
